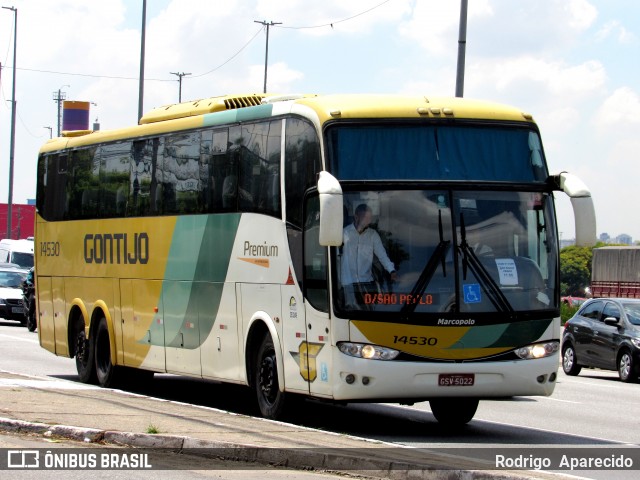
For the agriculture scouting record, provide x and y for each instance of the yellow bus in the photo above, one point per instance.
(349, 248)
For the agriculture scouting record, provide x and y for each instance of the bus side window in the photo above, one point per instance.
(83, 183)
(256, 147)
(213, 149)
(181, 169)
(114, 179)
(55, 197)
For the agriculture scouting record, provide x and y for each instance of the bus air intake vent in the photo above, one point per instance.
(240, 102)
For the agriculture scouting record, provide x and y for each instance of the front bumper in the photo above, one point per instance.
(12, 310)
(357, 378)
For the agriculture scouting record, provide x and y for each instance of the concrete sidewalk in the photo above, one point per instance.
(87, 413)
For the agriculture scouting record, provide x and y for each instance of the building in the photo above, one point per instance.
(22, 220)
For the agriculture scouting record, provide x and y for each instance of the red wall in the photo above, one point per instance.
(22, 219)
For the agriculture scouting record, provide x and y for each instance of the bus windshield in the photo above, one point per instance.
(435, 151)
(420, 251)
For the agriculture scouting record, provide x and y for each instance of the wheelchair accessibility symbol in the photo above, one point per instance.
(472, 293)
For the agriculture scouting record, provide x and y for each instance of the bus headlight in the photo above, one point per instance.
(538, 350)
(370, 352)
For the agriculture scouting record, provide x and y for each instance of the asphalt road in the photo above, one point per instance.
(593, 409)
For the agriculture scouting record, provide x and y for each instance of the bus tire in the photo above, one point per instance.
(454, 412)
(270, 399)
(105, 370)
(84, 353)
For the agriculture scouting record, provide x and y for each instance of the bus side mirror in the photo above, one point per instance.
(583, 211)
(331, 210)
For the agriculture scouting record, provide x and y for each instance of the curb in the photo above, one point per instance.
(349, 463)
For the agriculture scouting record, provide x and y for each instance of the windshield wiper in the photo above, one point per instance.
(470, 261)
(439, 255)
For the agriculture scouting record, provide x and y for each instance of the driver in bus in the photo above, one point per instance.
(360, 244)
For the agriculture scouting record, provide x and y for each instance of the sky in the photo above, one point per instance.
(573, 64)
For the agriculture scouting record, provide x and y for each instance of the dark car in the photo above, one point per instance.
(604, 333)
(29, 300)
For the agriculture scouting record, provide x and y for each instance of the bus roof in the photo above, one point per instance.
(189, 115)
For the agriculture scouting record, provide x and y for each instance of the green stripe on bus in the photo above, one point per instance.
(239, 115)
(522, 333)
(193, 284)
(504, 335)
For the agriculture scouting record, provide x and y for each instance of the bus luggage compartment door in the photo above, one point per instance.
(46, 331)
(142, 324)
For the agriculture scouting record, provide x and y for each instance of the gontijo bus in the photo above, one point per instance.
(208, 241)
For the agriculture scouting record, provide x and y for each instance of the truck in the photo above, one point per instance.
(18, 252)
(615, 272)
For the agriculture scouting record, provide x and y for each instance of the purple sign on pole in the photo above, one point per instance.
(75, 115)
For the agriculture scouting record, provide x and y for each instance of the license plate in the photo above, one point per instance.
(456, 379)
(17, 310)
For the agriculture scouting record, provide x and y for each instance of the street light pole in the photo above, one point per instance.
(13, 122)
(266, 54)
(180, 75)
(142, 49)
(462, 46)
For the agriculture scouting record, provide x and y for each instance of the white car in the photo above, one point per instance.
(11, 305)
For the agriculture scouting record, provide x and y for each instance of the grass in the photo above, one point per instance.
(152, 429)
(566, 312)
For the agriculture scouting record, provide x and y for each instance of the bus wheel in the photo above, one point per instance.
(105, 370)
(454, 411)
(84, 355)
(270, 398)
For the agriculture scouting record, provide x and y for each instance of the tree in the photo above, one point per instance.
(575, 270)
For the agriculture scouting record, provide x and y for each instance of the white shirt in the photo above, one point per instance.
(357, 255)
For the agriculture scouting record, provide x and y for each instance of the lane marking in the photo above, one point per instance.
(28, 340)
(559, 400)
(45, 384)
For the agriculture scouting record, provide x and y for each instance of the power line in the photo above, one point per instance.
(230, 58)
(117, 77)
(331, 24)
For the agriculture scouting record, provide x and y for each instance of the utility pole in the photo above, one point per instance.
(462, 45)
(141, 79)
(12, 146)
(180, 75)
(58, 97)
(266, 54)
